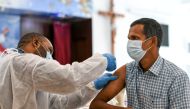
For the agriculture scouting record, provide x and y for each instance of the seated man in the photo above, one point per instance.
(151, 81)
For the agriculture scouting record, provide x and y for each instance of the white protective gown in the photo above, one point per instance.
(26, 81)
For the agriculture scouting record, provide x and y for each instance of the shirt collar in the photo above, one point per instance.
(156, 67)
(9, 51)
(20, 50)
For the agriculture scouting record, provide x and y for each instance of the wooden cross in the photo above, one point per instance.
(112, 16)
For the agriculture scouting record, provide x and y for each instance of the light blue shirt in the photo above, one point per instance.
(163, 86)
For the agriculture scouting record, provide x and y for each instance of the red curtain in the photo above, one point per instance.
(62, 44)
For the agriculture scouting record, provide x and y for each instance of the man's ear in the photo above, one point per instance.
(154, 40)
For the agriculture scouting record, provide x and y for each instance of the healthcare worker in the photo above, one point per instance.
(29, 81)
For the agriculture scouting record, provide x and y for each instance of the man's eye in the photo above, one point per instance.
(135, 38)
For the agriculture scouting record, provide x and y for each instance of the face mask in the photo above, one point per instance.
(48, 55)
(2, 38)
(134, 49)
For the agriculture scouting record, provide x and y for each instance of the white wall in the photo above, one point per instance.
(170, 12)
(179, 38)
(101, 27)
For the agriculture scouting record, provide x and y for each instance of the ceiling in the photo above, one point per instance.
(159, 6)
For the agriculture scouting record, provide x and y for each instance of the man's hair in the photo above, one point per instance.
(151, 28)
(27, 38)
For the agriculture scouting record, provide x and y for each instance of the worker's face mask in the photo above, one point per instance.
(46, 54)
(134, 49)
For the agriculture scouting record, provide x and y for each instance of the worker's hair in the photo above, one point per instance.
(27, 38)
(151, 28)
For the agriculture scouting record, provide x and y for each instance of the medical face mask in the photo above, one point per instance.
(134, 49)
(48, 55)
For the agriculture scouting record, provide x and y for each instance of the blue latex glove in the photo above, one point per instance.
(102, 81)
(111, 60)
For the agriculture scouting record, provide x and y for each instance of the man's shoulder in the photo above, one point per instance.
(172, 69)
(131, 65)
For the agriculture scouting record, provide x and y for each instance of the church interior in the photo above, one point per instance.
(91, 26)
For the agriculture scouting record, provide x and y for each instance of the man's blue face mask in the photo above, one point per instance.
(134, 49)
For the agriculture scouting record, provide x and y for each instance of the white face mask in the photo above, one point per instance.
(134, 49)
(48, 55)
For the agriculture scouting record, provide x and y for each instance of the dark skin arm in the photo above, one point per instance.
(110, 91)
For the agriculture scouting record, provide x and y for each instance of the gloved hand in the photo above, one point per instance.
(102, 81)
(111, 60)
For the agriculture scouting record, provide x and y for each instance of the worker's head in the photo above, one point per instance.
(35, 43)
(146, 35)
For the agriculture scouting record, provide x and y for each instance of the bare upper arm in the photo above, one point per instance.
(114, 87)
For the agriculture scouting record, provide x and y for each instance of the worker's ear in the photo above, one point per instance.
(35, 43)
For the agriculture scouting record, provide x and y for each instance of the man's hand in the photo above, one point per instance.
(103, 80)
(111, 61)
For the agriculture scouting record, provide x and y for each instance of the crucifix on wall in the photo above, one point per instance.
(112, 16)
